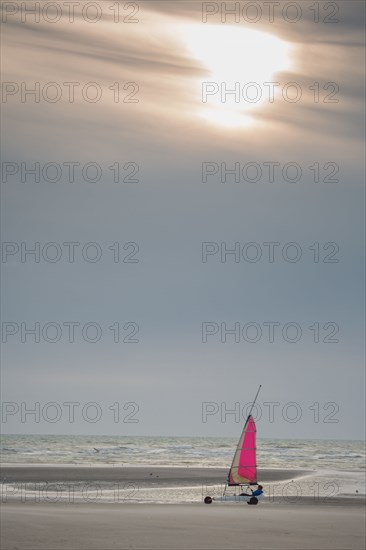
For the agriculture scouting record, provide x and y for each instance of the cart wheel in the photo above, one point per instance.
(208, 500)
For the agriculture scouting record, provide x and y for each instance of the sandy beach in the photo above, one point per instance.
(179, 527)
(273, 524)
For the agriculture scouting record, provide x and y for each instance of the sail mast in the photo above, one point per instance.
(255, 399)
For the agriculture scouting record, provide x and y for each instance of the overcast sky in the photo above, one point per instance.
(156, 286)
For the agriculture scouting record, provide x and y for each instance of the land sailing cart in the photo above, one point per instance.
(243, 470)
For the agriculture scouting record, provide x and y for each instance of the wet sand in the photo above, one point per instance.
(165, 475)
(304, 524)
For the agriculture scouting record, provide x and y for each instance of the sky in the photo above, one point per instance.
(162, 136)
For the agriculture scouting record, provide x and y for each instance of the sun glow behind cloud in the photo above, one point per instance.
(235, 56)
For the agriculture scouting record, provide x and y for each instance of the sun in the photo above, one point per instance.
(234, 57)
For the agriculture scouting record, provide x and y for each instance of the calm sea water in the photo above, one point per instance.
(179, 451)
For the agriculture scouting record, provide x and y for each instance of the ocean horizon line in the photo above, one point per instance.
(144, 436)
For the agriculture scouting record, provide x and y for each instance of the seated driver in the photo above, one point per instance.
(255, 493)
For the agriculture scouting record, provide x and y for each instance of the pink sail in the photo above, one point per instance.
(244, 466)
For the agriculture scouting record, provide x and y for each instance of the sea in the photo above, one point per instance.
(334, 468)
(179, 451)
